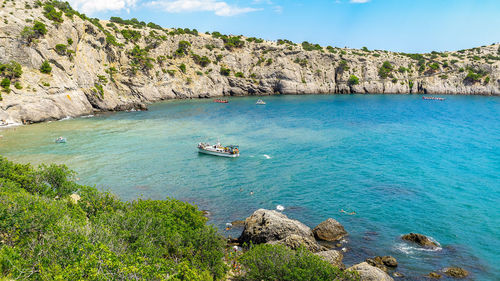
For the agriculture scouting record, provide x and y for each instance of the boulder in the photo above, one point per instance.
(294, 241)
(267, 225)
(456, 272)
(329, 230)
(389, 261)
(334, 257)
(398, 274)
(420, 239)
(370, 273)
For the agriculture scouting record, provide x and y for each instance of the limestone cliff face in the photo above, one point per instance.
(153, 72)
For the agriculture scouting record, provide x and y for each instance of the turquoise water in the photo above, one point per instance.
(401, 163)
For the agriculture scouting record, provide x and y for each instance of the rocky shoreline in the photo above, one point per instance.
(326, 241)
(72, 66)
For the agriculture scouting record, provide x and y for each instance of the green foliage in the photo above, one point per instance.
(131, 35)
(402, 69)
(256, 40)
(182, 67)
(410, 84)
(474, 75)
(133, 22)
(487, 80)
(232, 42)
(444, 76)
(18, 85)
(110, 39)
(61, 49)
(171, 72)
(70, 41)
(301, 62)
(11, 70)
(225, 71)
(183, 48)
(269, 61)
(434, 66)
(210, 47)
(111, 71)
(45, 67)
(331, 49)
(180, 31)
(285, 41)
(45, 236)
(385, 69)
(154, 26)
(343, 66)
(202, 61)
(239, 75)
(5, 84)
(353, 80)
(277, 262)
(51, 13)
(311, 47)
(365, 49)
(140, 59)
(29, 33)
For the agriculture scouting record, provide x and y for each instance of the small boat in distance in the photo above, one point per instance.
(259, 101)
(219, 150)
(432, 98)
(221, 101)
(61, 140)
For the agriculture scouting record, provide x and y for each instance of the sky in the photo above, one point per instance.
(415, 26)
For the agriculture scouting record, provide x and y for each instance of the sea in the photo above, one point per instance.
(381, 165)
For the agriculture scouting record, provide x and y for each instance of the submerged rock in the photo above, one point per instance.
(334, 257)
(456, 272)
(382, 262)
(266, 225)
(434, 275)
(420, 239)
(238, 223)
(370, 273)
(329, 230)
(397, 274)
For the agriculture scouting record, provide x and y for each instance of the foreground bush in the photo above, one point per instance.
(46, 236)
(277, 262)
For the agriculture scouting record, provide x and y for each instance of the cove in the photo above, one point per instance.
(403, 164)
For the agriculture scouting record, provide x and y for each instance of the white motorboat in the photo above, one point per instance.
(61, 140)
(259, 101)
(219, 150)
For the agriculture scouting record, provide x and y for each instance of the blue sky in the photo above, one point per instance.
(396, 25)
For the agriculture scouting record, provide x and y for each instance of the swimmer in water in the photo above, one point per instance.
(251, 192)
(351, 213)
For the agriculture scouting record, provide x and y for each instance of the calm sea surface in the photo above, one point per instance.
(401, 163)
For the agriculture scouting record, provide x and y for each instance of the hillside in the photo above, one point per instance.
(57, 63)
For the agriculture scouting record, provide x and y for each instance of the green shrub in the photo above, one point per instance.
(61, 49)
(52, 14)
(183, 48)
(110, 39)
(410, 84)
(131, 35)
(239, 75)
(277, 262)
(225, 71)
(46, 237)
(45, 67)
(11, 70)
(402, 69)
(365, 49)
(202, 61)
(5, 83)
(311, 47)
(434, 66)
(182, 67)
(70, 41)
(171, 72)
(385, 69)
(342, 66)
(140, 59)
(331, 49)
(353, 80)
(18, 85)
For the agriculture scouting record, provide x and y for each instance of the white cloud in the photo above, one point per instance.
(91, 6)
(220, 8)
(360, 1)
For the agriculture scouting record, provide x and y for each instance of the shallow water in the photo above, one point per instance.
(401, 163)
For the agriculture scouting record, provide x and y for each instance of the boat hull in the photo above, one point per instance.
(215, 153)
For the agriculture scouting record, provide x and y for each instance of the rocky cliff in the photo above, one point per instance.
(60, 63)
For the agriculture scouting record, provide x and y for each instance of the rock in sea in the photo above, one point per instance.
(370, 273)
(265, 226)
(456, 272)
(329, 230)
(420, 239)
